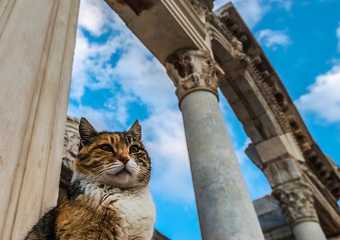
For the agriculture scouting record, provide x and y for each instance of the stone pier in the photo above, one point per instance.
(37, 39)
(224, 206)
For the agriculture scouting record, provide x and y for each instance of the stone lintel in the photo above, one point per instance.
(277, 158)
(171, 25)
(276, 148)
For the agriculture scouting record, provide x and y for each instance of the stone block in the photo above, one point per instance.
(278, 147)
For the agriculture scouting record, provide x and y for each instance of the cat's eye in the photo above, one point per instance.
(106, 147)
(134, 149)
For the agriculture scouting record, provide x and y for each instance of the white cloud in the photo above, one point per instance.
(323, 98)
(90, 67)
(96, 17)
(142, 76)
(91, 16)
(273, 38)
(100, 118)
(338, 36)
(165, 140)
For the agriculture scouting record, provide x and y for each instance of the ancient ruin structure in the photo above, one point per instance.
(202, 51)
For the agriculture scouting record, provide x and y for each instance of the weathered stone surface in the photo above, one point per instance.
(308, 231)
(219, 186)
(278, 147)
(297, 202)
(193, 70)
(268, 86)
(273, 223)
(138, 6)
(181, 27)
(279, 158)
(36, 51)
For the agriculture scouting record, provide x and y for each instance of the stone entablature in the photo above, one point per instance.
(275, 95)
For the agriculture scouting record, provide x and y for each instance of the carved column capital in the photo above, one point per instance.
(296, 201)
(193, 70)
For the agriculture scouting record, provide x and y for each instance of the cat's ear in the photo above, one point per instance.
(136, 130)
(86, 131)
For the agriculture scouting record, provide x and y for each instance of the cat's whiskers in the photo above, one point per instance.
(106, 169)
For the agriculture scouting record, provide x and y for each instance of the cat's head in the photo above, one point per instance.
(118, 159)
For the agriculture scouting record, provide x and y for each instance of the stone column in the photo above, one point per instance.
(224, 206)
(37, 39)
(280, 158)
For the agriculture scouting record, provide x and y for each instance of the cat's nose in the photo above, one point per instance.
(124, 159)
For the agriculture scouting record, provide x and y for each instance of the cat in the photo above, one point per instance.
(109, 198)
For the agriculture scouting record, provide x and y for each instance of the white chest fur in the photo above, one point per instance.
(136, 208)
(139, 211)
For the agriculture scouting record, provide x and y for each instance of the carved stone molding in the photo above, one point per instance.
(206, 4)
(269, 84)
(201, 9)
(297, 202)
(71, 142)
(193, 70)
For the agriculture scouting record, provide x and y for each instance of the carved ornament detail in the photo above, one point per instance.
(296, 201)
(193, 70)
(207, 4)
(71, 142)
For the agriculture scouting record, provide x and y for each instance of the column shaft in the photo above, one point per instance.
(37, 39)
(225, 208)
(308, 231)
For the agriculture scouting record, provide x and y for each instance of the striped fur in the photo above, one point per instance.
(109, 198)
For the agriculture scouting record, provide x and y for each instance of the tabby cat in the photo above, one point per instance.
(109, 197)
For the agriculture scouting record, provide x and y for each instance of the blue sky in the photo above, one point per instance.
(116, 80)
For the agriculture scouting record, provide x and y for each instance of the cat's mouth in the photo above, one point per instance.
(123, 172)
(120, 172)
